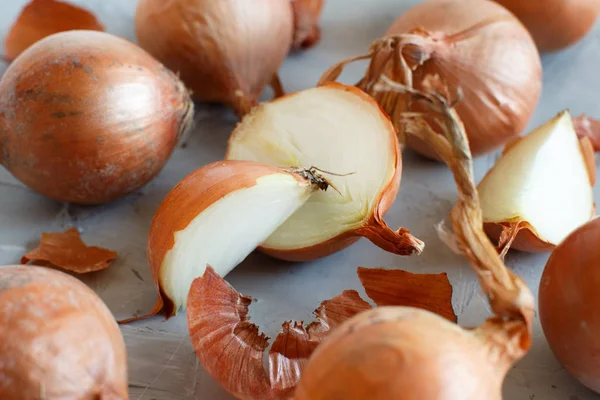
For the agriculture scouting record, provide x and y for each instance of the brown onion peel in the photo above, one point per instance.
(590, 128)
(66, 250)
(57, 339)
(306, 22)
(41, 18)
(87, 117)
(225, 340)
(446, 37)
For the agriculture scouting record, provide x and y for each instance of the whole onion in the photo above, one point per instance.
(476, 45)
(87, 117)
(57, 339)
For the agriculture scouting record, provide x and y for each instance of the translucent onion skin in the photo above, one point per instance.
(57, 339)
(555, 24)
(569, 301)
(225, 51)
(402, 353)
(498, 68)
(87, 117)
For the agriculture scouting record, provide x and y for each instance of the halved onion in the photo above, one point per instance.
(57, 339)
(540, 190)
(342, 130)
(216, 216)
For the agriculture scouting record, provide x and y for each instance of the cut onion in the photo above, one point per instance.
(57, 339)
(218, 215)
(540, 190)
(342, 130)
(569, 301)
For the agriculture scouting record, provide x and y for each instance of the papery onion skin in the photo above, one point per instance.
(188, 199)
(498, 69)
(569, 301)
(555, 24)
(225, 51)
(57, 339)
(526, 239)
(87, 117)
(41, 18)
(402, 353)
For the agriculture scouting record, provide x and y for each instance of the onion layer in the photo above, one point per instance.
(87, 117)
(555, 24)
(474, 44)
(225, 51)
(540, 189)
(341, 130)
(569, 301)
(57, 339)
(216, 216)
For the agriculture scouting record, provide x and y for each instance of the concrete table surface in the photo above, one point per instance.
(162, 364)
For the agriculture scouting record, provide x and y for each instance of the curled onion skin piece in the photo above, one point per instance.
(590, 128)
(569, 301)
(41, 18)
(57, 339)
(225, 51)
(403, 352)
(67, 251)
(475, 44)
(555, 24)
(87, 117)
(225, 340)
(273, 134)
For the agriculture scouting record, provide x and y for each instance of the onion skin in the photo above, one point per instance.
(87, 117)
(41, 18)
(306, 22)
(185, 201)
(225, 51)
(402, 353)
(555, 24)
(507, 89)
(526, 239)
(57, 339)
(569, 302)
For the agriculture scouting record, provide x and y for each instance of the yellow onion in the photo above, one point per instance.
(87, 117)
(345, 133)
(57, 339)
(306, 22)
(216, 216)
(555, 24)
(225, 51)
(476, 45)
(540, 189)
(569, 302)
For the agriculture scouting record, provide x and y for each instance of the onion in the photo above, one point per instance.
(41, 18)
(555, 24)
(476, 44)
(216, 216)
(540, 189)
(225, 51)
(407, 353)
(86, 117)
(342, 130)
(306, 22)
(569, 301)
(57, 339)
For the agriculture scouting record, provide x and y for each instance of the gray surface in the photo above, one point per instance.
(161, 360)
